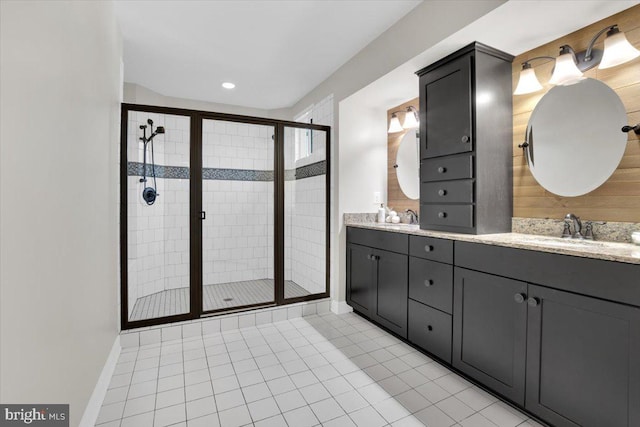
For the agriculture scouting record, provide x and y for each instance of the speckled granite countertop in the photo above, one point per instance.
(610, 251)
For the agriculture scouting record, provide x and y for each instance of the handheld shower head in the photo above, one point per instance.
(160, 129)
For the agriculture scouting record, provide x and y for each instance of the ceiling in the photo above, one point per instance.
(274, 51)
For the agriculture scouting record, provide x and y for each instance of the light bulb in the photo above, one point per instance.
(566, 72)
(410, 121)
(528, 82)
(617, 50)
(394, 125)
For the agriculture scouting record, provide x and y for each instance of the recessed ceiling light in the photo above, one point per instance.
(228, 85)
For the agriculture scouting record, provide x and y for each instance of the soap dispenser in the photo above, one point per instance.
(382, 213)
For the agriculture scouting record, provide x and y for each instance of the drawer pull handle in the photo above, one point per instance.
(442, 214)
(519, 298)
(429, 328)
(533, 302)
(442, 192)
(428, 283)
(442, 169)
(428, 248)
(465, 138)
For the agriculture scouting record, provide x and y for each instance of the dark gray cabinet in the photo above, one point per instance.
(360, 284)
(377, 279)
(557, 335)
(489, 331)
(579, 355)
(583, 360)
(446, 101)
(391, 272)
(465, 142)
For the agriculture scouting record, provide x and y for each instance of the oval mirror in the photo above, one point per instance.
(574, 137)
(408, 165)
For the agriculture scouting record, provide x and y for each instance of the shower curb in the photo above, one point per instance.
(221, 323)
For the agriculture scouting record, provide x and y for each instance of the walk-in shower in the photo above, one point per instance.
(224, 213)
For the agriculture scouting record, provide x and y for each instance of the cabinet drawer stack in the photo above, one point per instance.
(431, 294)
(465, 142)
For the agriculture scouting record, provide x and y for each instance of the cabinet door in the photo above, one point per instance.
(489, 331)
(392, 291)
(583, 360)
(446, 101)
(360, 278)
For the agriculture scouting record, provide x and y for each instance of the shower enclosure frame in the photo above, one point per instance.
(197, 117)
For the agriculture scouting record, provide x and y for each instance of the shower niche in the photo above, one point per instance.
(238, 220)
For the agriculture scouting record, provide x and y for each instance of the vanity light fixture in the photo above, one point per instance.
(394, 124)
(570, 66)
(411, 120)
(566, 71)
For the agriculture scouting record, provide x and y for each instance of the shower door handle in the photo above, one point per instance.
(203, 215)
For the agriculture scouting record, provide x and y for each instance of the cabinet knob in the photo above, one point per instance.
(371, 257)
(442, 169)
(465, 138)
(428, 282)
(533, 302)
(428, 248)
(429, 328)
(442, 192)
(519, 298)
(442, 214)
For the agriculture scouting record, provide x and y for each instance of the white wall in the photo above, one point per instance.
(137, 94)
(60, 90)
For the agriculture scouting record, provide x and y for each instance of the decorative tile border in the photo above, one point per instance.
(219, 174)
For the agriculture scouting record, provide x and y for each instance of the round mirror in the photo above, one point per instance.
(408, 165)
(574, 137)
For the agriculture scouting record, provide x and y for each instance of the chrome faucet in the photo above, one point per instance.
(413, 216)
(577, 225)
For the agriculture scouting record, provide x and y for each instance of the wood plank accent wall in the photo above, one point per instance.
(618, 199)
(396, 199)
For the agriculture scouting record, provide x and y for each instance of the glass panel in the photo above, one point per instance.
(305, 217)
(158, 228)
(238, 198)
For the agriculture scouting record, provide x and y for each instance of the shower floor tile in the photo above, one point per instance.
(215, 297)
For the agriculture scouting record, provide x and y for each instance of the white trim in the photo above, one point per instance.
(92, 410)
(340, 307)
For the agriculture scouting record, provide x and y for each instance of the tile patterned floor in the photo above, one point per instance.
(329, 370)
(176, 301)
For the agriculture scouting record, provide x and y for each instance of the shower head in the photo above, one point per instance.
(160, 129)
(150, 122)
(143, 127)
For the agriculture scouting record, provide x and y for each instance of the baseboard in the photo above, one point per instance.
(340, 307)
(92, 410)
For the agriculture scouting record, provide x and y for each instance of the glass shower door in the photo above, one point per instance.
(238, 215)
(157, 207)
(305, 212)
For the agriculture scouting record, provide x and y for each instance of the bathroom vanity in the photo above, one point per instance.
(552, 326)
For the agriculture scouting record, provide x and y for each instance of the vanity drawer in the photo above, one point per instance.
(446, 168)
(431, 248)
(449, 215)
(447, 192)
(431, 283)
(394, 242)
(430, 329)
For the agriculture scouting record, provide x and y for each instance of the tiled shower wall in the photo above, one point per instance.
(158, 234)
(238, 232)
(306, 202)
